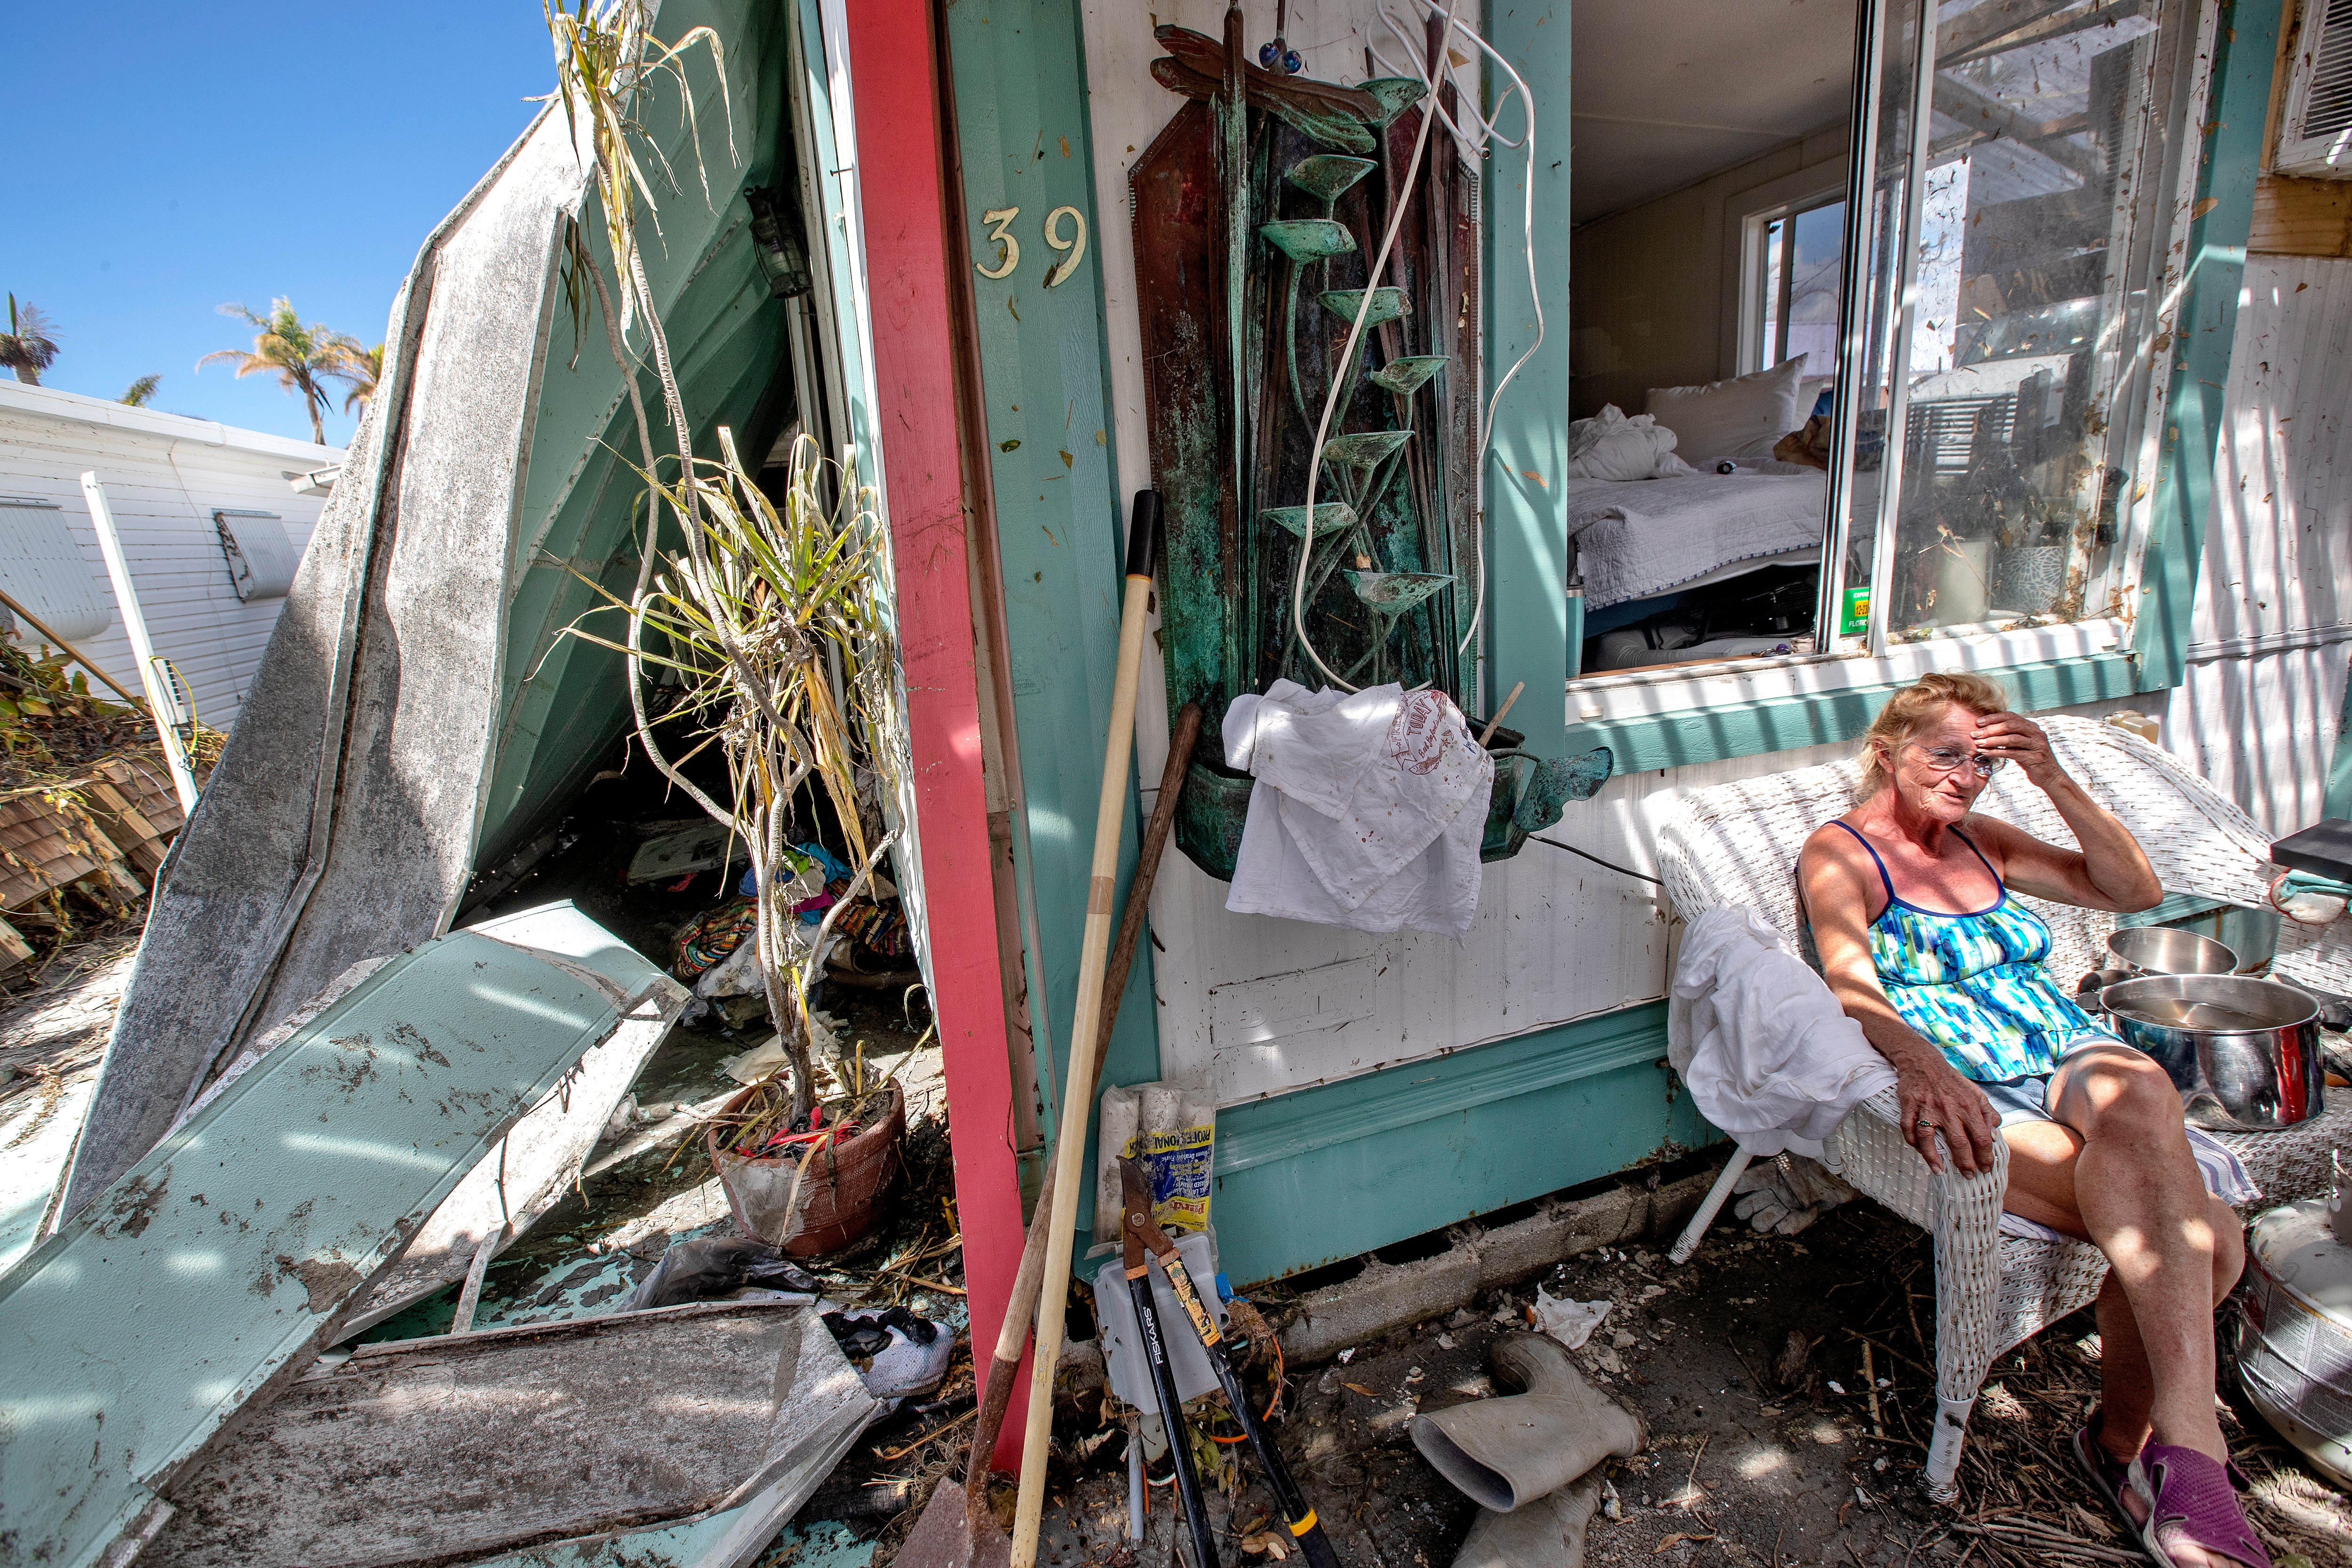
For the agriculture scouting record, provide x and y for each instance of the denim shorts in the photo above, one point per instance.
(2027, 1098)
(2016, 1099)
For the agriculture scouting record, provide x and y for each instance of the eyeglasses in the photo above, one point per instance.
(1943, 760)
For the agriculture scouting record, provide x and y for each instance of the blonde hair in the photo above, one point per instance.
(1915, 708)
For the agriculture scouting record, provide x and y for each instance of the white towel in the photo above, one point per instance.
(1368, 812)
(1767, 1052)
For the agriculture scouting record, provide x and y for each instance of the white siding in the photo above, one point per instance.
(163, 476)
(2265, 692)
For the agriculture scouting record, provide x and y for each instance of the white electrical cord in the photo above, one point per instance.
(1428, 77)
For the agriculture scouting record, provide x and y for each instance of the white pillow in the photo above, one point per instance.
(1739, 419)
(1611, 446)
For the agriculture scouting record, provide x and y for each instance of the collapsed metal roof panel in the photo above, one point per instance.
(206, 1273)
(417, 704)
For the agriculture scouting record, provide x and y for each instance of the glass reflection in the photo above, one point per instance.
(2005, 503)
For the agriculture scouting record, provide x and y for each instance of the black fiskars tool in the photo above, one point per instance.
(1141, 1232)
(1163, 1377)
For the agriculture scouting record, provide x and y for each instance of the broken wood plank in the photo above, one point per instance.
(14, 945)
(2301, 217)
(141, 841)
(196, 1282)
(42, 849)
(451, 1447)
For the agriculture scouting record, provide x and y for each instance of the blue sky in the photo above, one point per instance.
(165, 159)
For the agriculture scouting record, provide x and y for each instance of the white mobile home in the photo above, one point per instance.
(211, 520)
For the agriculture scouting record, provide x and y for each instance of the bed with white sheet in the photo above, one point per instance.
(1636, 540)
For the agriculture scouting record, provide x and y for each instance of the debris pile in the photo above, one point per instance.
(1786, 1388)
(87, 809)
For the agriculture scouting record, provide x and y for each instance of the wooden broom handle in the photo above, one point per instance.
(1014, 1336)
(1085, 1043)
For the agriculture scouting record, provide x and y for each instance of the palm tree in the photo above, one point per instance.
(300, 354)
(140, 391)
(361, 369)
(27, 347)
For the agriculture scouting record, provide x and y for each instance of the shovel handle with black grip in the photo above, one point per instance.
(1171, 1416)
(1297, 1514)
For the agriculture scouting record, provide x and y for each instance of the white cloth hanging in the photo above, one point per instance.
(1767, 1052)
(1368, 812)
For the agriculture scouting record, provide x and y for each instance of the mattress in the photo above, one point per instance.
(1655, 536)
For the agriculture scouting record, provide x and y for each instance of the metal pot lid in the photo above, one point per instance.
(2213, 1004)
(2168, 950)
(2295, 1248)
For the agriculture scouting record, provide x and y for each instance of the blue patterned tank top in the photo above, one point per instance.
(1974, 983)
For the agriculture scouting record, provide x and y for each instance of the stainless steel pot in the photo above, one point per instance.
(2168, 950)
(2243, 1052)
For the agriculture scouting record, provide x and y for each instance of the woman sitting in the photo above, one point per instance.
(1909, 898)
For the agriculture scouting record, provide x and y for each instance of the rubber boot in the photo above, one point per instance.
(1547, 1533)
(1505, 1453)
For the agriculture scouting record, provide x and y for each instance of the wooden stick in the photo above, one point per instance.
(1013, 1337)
(70, 652)
(1086, 1030)
(1497, 721)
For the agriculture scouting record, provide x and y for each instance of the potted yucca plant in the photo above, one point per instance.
(770, 616)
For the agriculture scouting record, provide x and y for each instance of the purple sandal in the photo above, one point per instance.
(2193, 1502)
(2108, 1475)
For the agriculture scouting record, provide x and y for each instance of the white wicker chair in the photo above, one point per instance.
(1737, 843)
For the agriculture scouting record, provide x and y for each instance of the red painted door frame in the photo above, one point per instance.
(902, 182)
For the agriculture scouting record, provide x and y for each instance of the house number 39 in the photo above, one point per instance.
(1072, 247)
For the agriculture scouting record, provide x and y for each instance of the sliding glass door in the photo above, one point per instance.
(1996, 333)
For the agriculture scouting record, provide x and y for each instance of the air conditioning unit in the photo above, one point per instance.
(2316, 130)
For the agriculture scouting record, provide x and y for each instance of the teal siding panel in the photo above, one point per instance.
(1019, 73)
(1784, 724)
(1526, 517)
(1307, 1178)
(581, 502)
(2245, 51)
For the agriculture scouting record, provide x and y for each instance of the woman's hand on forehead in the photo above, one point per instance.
(2015, 737)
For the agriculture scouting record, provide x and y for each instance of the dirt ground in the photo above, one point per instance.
(1744, 1465)
(1756, 1455)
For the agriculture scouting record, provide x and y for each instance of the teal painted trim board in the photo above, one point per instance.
(1819, 719)
(1526, 632)
(2245, 52)
(1307, 1178)
(1018, 69)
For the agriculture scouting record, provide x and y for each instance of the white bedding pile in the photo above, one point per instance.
(1637, 540)
(1611, 446)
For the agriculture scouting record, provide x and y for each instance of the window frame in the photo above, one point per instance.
(2201, 207)
(1755, 219)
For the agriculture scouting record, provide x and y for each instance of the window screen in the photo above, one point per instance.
(261, 559)
(42, 569)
